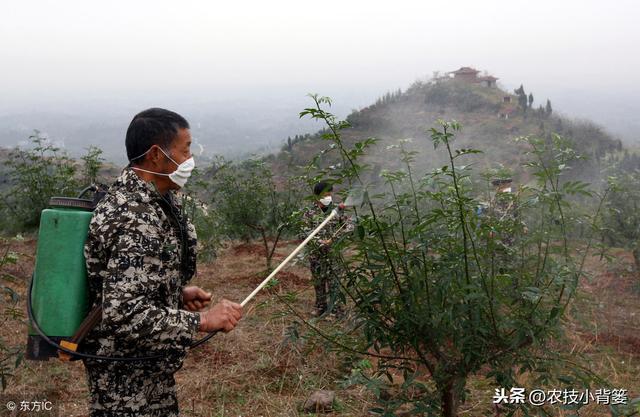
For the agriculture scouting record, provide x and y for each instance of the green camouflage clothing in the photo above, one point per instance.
(136, 269)
(505, 211)
(503, 216)
(326, 268)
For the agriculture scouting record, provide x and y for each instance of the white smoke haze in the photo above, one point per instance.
(240, 71)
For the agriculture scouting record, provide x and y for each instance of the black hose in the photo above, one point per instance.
(46, 338)
(91, 187)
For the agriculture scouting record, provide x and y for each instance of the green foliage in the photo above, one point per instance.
(622, 214)
(519, 91)
(10, 356)
(92, 164)
(389, 97)
(458, 95)
(35, 175)
(449, 291)
(206, 222)
(522, 98)
(291, 142)
(250, 205)
(240, 195)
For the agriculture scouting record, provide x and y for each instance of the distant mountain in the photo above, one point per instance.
(229, 128)
(491, 118)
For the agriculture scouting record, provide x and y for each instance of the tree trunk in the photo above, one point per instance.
(450, 400)
(636, 260)
(268, 254)
(449, 403)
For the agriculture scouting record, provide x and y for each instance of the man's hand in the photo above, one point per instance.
(222, 316)
(195, 298)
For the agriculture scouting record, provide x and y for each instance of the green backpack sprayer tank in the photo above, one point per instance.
(59, 284)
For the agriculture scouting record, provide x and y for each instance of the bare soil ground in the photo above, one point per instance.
(253, 372)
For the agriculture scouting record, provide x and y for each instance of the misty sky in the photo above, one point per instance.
(77, 51)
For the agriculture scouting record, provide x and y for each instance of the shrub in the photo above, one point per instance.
(622, 214)
(440, 292)
(92, 164)
(205, 219)
(35, 175)
(249, 205)
(10, 356)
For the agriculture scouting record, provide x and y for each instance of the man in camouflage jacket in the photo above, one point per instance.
(504, 208)
(140, 254)
(326, 267)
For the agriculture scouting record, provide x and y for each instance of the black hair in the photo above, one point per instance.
(322, 187)
(153, 126)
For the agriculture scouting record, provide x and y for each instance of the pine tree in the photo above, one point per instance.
(548, 110)
(519, 91)
(522, 97)
(522, 101)
(530, 100)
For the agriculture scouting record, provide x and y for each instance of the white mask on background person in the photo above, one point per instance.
(506, 190)
(325, 201)
(179, 176)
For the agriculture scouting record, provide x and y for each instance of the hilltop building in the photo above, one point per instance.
(470, 75)
(466, 74)
(506, 112)
(488, 81)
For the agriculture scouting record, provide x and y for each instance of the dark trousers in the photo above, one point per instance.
(327, 285)
(120, 389)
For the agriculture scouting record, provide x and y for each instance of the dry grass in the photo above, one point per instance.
(250, 372)
(247, 372)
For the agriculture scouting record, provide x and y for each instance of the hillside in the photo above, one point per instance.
(491, 119)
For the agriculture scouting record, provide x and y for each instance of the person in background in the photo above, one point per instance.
(326, 266)
(504, 207)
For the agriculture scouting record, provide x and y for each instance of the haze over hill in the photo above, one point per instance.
(491, 119)
(247, 123)
(232, 128)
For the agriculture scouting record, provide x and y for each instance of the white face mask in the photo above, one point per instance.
(325, 201)
(180, 175)
(506, 190)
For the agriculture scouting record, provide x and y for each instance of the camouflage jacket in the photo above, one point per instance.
(504, 207)
(136, 269)
(311, 218)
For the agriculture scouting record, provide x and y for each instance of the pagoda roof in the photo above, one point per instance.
(465, 70)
